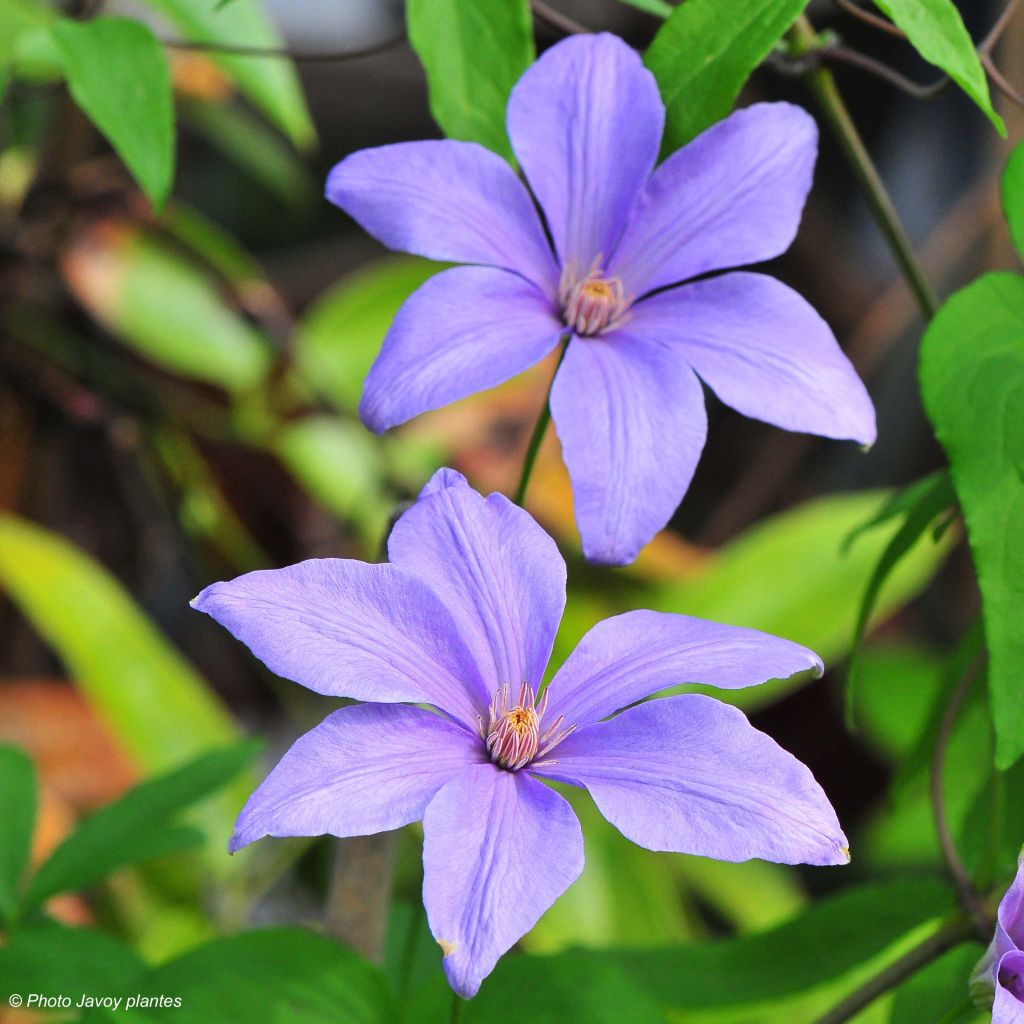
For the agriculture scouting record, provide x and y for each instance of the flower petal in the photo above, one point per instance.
(1008, 1008)
(364, 769)
(732, 196)
(465, 330)
(763, 350)
(585, 122)
(630, 416)
(498, 849)
(497, 572)
(445, 200)
(350, 629)
(690, 774)
(628, 657)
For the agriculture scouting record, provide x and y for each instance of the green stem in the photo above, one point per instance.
(457, 1003)
(536, 437)
(951, 934)
(823, 86)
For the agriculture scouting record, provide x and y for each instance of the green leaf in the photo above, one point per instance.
(270, 83)
(134, 828)
(119, 75)
(339, 338)
(705, 52)
(938, 993)
(814, 589)
(937, 32)
(18, 799)
(156, 703)
(921, 503)
(473, 52)
(972, 382)
(1013, 196)
(826, 940)
(277, 974)
(55, 960)
(166, 309)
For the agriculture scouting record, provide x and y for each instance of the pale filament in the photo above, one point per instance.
(593, 303)
(514, 735)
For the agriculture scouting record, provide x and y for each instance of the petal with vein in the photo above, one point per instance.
(364, 769)
(498, 849)
(631, 656)
(585, 122)
(691, 775)
(497, 572)
(463, 331)
(446, 200)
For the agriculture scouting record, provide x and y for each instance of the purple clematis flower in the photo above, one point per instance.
(998, 979)
(586, 122)
(463, 619)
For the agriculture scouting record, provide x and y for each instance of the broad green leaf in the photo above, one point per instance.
(339, 464)
(276, 974)
(473, 52)
(924, 502)
(18, 798)
(339, 338)
(1013, 196)
(270, 83)
(55, 960)
(937, 32)
(705, 52)
(158, 706)
(135, 827)
(16, 18)
(972, 382)
(938, 993)
(828, 939)
(165, 308)
(789, 576)
(118, 73)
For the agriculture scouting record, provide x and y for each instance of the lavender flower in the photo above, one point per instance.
(463, 619)
(998, 979)
(585, 123)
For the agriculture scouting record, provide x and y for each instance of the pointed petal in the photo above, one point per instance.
(445, 200)
(496, 571)
(349, 629)
(465, 330)
(732, 196)
(691, 775)
(585, 122)
(1008, 1007)
(498, 849)
(628, 657)
(630, 416)
(364, 769)
(763, 350)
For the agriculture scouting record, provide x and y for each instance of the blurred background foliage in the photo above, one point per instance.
(184, 329)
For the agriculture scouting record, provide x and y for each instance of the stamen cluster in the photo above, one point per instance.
(513, 735)
(592, 303)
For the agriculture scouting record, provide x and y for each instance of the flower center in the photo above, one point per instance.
(591, 303)
(513, 734)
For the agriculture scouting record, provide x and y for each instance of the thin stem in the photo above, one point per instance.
(855, 58)
(536, 438)
(241, 50)
(966, 892)
(457, 1003)
(823, 86)
(950, 934)
(868, 18)
(557, 20)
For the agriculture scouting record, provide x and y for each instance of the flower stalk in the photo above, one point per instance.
(822, 84)
(539, 430)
